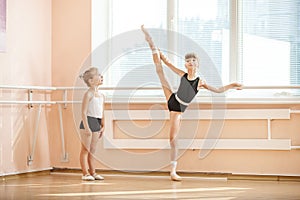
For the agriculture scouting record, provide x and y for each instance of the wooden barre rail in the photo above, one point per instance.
(131, 88)
(30, 89)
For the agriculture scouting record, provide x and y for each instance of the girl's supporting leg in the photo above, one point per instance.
(83, 158)
(85, 146)
(92, 150)
(175, 119)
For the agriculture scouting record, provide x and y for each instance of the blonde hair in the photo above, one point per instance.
(88, 74)
(191, 55)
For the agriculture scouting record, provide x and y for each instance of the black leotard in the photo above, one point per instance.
(186, 92)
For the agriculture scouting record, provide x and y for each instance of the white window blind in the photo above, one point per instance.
(207, 23)
(204, 22)
(134, 68)
(269, 42)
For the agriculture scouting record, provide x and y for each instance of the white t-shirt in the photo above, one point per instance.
(95, 107)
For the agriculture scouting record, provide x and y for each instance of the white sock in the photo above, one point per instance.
(173, 166)
(155, 51)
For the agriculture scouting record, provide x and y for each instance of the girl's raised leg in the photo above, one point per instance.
(159, 70)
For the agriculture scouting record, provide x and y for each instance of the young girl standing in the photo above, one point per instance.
(178, 101)
(92, 124)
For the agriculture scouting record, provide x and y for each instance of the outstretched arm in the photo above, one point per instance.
(170, 65)
(203, 84)
(103, 118)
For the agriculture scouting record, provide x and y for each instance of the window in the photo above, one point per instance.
(131, 67)
(262, 35)
(207, 23)
(269, 42)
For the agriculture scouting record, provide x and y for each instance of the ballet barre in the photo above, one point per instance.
(30, 157)
(27, 87)
(31, 89)
(65, 90)
(28, 102)
(132, 88)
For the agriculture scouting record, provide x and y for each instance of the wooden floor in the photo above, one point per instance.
(66, 186)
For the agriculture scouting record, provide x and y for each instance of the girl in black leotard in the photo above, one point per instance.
(178, 101)
(187, 90)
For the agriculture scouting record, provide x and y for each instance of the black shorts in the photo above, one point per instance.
(94, 124)
(174, 105)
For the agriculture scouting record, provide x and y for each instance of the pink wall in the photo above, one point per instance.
(27, 61)
(71, 45)
(71, 39)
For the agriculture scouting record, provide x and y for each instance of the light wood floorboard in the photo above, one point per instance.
(116, 186)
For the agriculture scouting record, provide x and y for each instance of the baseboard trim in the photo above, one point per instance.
(23, 174)
(229, 176)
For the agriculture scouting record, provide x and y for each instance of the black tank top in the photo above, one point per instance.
(187, 89)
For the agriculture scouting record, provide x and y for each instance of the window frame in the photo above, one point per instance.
(171, 21)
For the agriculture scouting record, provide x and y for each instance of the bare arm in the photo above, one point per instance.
(203, 84)
(85, 102)
(170, 65)
(103, 118)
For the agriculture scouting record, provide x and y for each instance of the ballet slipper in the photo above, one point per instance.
(175, 177)
(148, 38)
